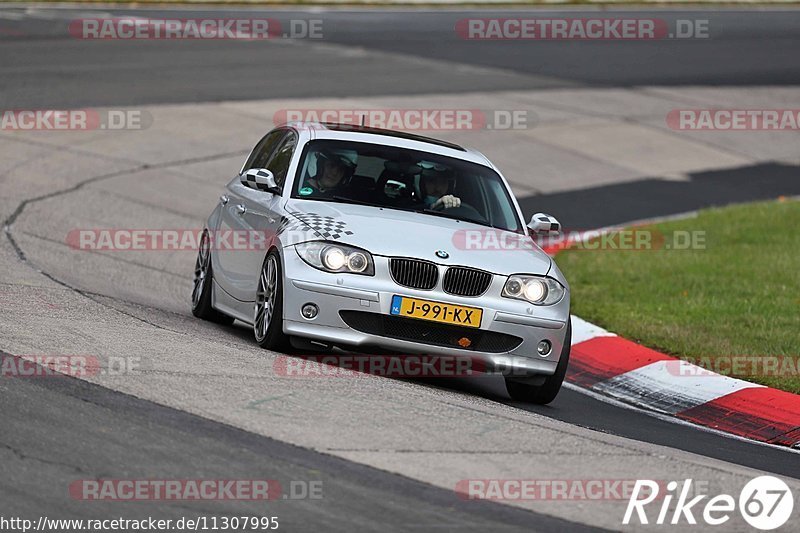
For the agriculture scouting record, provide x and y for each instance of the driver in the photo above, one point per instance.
(334, 169)
(437, 184)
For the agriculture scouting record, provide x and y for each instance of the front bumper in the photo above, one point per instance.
(355, 294)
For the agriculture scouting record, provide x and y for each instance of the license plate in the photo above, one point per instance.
(436, 311)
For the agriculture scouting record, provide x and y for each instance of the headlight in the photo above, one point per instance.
(332, 257)
(534, 289)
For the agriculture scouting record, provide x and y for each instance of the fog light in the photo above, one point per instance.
(544, 348)
(309, 311)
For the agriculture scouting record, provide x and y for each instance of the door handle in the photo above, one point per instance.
(241, 209)
(223, 199)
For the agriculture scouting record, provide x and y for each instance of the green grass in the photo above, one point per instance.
(740, 296)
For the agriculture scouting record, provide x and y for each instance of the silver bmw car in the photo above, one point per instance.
(364, 239)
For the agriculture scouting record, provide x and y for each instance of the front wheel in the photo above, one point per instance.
(268, 312)
(547, 391)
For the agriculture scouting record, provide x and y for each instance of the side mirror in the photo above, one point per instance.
(543, 224)
(260, 179)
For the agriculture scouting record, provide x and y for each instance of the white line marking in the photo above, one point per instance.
(583, 330)
(661, 386)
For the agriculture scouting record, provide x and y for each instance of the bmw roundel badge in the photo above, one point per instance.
(441, 254)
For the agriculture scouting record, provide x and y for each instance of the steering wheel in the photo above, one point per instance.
(464, 210)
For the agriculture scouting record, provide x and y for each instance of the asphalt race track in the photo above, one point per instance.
(168, 440)
(206, 402)
(757, 48)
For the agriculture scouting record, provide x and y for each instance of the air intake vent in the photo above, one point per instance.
(414, 273)
(424, 332)
(466, 281)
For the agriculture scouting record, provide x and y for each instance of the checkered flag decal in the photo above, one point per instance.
(257, 178)
(322, 226)
(547, 219)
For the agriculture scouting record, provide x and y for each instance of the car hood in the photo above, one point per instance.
(390, 232)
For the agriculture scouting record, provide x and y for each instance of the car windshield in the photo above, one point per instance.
(400, 178)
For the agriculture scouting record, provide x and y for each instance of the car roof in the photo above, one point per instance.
(353, 132)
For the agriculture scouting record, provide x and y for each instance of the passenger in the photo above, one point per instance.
(334, 170)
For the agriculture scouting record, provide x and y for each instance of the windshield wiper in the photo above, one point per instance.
(444, 214)
(345, 200)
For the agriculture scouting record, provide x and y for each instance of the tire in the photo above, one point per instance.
(203, 285)
(268, 309)
(546, 392)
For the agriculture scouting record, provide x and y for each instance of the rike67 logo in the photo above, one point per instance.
(765, 503)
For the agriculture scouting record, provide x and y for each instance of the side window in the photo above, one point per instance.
(263, 150)
(279, 164)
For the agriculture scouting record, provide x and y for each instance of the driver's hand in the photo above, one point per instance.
(448, 201)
